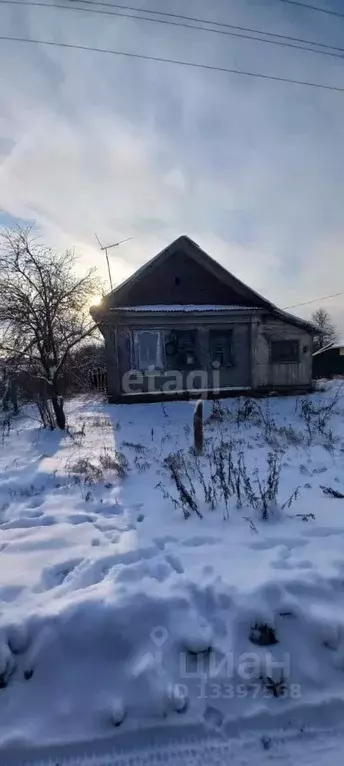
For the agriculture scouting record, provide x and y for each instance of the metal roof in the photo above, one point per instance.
(188, 307)
(336, 344)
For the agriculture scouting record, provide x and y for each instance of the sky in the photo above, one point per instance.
(252, 169)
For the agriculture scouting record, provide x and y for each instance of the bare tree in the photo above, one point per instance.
(44, 309)
(327, 330)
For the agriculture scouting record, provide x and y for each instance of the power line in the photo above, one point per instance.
(285, 44)
(315, 300)
(198, 20)
(314, 8)
(178, 62)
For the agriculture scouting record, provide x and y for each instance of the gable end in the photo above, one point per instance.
(184, 274)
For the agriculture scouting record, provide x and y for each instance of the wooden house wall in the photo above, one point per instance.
(267, 374)
(122, 350)
(251, 336)
(180, 280)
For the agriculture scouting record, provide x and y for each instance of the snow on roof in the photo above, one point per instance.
(181, 307)
(337, 344)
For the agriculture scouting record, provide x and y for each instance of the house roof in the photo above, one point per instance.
(117, 297)
(336, 344)
(193, 250)
(175, 307)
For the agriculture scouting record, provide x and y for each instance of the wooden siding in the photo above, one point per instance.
(236, 376)
(181, 280)
(286, 374)
(251, 336)
(112, 367)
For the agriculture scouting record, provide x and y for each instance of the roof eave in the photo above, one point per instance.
(297, 321)
(192, 310)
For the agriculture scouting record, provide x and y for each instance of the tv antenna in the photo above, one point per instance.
(105, 248)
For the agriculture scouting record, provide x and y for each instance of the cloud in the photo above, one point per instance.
(252, 170)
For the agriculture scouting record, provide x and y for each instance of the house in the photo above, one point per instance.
(182, 325)
(329, 361)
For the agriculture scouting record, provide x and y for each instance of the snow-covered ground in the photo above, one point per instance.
(117, 612)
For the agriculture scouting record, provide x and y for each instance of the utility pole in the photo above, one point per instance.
(105, 248)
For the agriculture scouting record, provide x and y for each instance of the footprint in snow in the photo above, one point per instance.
(10, 593)
(159, 571)
(281, 564)
(175, 563)
(156, 568)
(79, 518)
(304, 565)
(35, 503)
(113, 537)
(263, 545)
(25, 522)
(323, 532)
(55, 575)
(213, 717)
(110, 510)
(195, 542)
(160, 542)
(33, 514)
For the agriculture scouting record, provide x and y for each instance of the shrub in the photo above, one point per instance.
(219, 412)
(137, 447)
(114, 461)
(90, 472)
(316, 417)
(247, 410)
(223, 477)
(176, 465)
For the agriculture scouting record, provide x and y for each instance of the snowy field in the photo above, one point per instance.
(142, 586)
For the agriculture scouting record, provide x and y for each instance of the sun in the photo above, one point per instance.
(96, 300)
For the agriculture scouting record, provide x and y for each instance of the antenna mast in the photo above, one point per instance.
(105, 248)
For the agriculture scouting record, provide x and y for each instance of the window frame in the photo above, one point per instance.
(292, 358)
(177, 347)
(159, 364)
(227, 349)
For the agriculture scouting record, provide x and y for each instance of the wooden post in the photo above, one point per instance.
(198, 428)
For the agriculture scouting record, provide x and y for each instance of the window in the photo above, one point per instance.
(148, 350)
(181, 349)
(221, 349)
(284, 351)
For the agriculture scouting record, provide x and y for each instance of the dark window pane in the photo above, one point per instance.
(284, 351)
(181, 349)
(221, 347)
